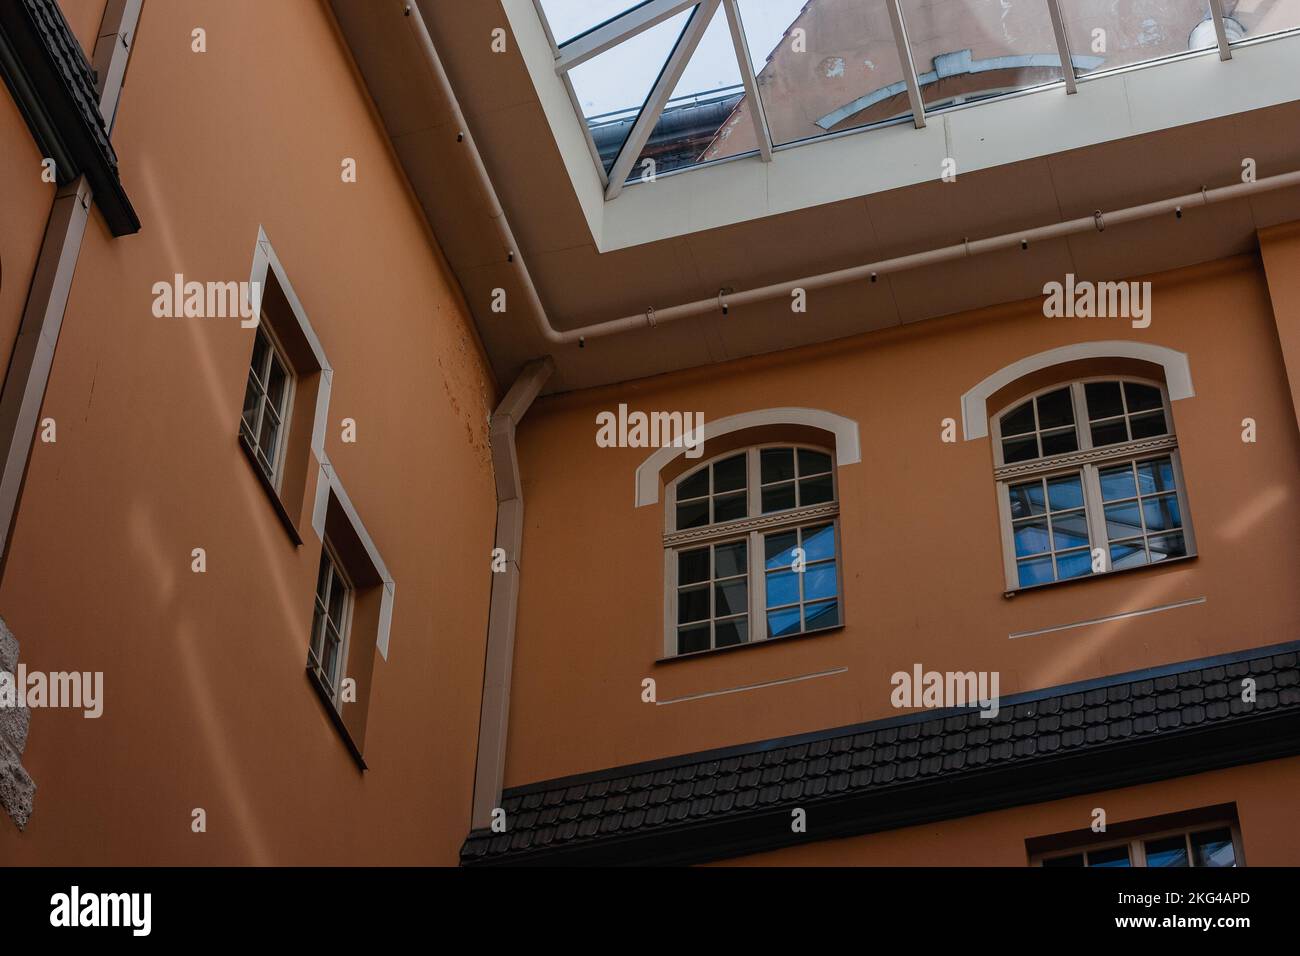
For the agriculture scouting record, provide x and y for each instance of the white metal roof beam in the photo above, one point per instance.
(624, 27)
(746, 62)
(1220, 31)
(905, 60)
(1062, 45)
(658, 99)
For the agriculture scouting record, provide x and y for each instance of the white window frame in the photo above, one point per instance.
(751, 528)
(344, 627)
(1087, 461)
(1137, 853)
(277, 352)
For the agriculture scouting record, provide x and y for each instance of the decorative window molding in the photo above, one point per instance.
(1178, 375)
(844, 430)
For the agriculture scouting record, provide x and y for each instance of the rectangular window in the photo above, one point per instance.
(267, 403)
(1210, 845)
(329, 630)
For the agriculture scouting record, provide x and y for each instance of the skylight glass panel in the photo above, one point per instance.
(967, 50)
(1106, 36)
(611, 88)
(1259, 18)
(571, 18)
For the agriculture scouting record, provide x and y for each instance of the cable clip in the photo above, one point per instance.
(1099, 221)
(650, 316)
(722, 302)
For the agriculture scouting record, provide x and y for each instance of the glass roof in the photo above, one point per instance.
(664, 85)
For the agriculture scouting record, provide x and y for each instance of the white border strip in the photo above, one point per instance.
(1109, 617)
(736, 690)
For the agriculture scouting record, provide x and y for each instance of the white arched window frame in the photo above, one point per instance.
(756, 550)
(1126, 518)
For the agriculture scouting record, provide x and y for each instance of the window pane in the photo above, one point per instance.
(1117, 483)
(317, 629)
(1069, 531)
(1103, 400)
(782, 588)
(780, 623)
(338, 597)
(1054, 409)
(819, 582)
(1019, 449)
(1058, 443)
(1065, 493)
(1109, 433)
(691, 639)
(692, 605)
(1127, 554)
(1115, 856)
(1075, 859)
(693, 514)
(729, 475)
(1035, 571)
(1027, 499)
(252, 396)
(1157, 475)
(778, 498)
(278, 385)
(729, 507)
(779, 549)
(323, 577)
(1167, 546)
(729, 559)
(1141, 398)
(1148, 425)
(821, 615)
(731, 597)
(1018, 421)
(1123, 521)
(1161, 514)
(1031, 536)
(693, 566)
(733, 632)
(813, 463)
(261, 349)
(1106, 36)
(1170, 851)
(1073, 565)
(1213, 848)
(696, 486)
(267, 440)
(815, 491)
(819, 542)
(776, 464)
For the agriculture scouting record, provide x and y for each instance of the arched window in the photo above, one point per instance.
(1089, 481)
(751, 549)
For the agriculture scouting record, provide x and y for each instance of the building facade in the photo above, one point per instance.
(902, 470)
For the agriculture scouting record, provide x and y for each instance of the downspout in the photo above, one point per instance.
(495, 713)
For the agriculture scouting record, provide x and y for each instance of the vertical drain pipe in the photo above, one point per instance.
(494, 717)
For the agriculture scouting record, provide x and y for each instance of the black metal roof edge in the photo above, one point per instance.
(1140, 761)
(72, 134)
(921, 716)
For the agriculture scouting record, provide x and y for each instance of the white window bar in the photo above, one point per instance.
(756, 111)
(611, 34)
(1062, 46)
(905, 60)
(1220, 30)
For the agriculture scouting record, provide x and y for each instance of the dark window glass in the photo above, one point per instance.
(813, 463)
(729, 475)
(815, 491)
(1140, 397)
(776, 464)
(1019, 421)
(1058, 443)
(1115, 856)
(1109, 433)
(1074, 859)
(729, 507)
(693, 514)
(693, 566)
(731, 633)
(696, 486)
(691, 639)
(778, 497)
(1213, 848)
(1019, 449)
(1170, 851)
(1149, 425)
(1103, 400)
(1054, 409)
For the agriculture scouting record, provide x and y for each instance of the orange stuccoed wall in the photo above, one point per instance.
(922, 572)
(206, 703)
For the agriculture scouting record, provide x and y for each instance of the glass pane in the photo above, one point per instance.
(570, 18)
(317, 626)
(845, 75)
(693, 566)
(967, 50)
(1167, 546)
(323, 577)
(782, 588)
(1127, 554)
(1213, 848)
(1027, 499)
(778, 497)
(819, 582)
(252, 396)
(261, 349)
(1103, 400)
(729, 559)
(780, 623)
(696, 486)
(776, 464)
(1123, 521)
(278, 384)
(1161, 514)
(1019, 449)
(1054, 409)
(267, 440)
(1170, 851)
(1117, 483)
(330, 665)
(338, 597)
(1156, 475)
(733, 632)
(692, 605)
(692, 639)
(1019, 421)
(729, 475)
(813, 463)
(819, 542)
(1065, 493)
(1074, 859)
(1035, 571)
(693, 514)
(1141, 398)
(702, 108)
(1073, 565)
(1058, 443)
(1115, 856)
(730, 507)
(1069, 531)
(821, 615)
(815, 491)
(1148, 425)
(779, 549)
(1261, 17)
(612, 87)
(731, 597)
(1031, 536)
(1104, 35)
(1109, 433)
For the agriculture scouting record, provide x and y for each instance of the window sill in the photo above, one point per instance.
(336, 718)
(1012, 592)
(749, 644)
(280, 511)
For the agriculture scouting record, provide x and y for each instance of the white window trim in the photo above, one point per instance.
(1137, 845)
(751, 528)
(1087, 461)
